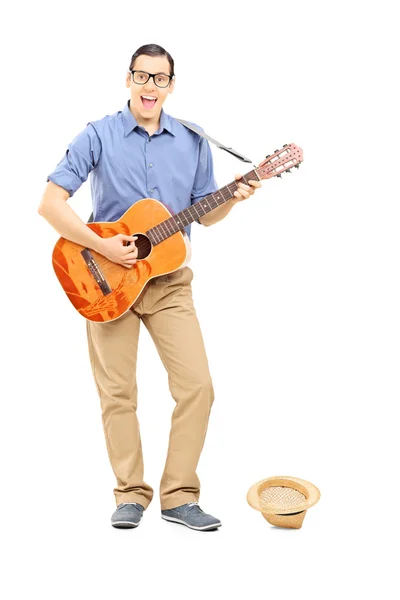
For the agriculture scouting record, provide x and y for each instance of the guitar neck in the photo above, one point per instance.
(179, 221)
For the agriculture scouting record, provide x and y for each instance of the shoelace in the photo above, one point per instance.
(191, 504)
(134, 503)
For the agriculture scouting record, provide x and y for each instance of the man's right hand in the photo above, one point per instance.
(117, 250)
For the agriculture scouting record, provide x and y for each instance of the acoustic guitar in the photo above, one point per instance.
(101, 290)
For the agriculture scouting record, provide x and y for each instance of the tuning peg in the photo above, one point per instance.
(296, 166)
(284, 145)
(288, 171)
(277, 150)
(280, 175)
(268, 156)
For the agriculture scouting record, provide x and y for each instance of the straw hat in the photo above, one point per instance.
(283, 501)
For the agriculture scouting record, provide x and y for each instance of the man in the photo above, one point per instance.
(136, 153)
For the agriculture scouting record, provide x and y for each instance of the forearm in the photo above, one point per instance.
(218, 213)
(66, 222)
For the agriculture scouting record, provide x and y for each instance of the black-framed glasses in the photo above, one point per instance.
(160, 79)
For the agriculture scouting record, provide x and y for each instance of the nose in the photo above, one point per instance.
(150, 85)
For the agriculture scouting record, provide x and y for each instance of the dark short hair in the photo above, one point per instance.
(153, 50)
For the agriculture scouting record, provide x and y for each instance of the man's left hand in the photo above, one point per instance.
(245, 191)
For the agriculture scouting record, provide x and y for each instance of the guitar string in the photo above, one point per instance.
(104, 263)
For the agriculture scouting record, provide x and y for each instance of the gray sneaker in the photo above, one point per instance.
(192, 516)
(127, 515)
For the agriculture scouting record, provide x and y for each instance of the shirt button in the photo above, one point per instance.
(151, 164)
(151, 191)
(149, 140)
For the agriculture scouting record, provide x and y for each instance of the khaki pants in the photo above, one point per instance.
(168, 313)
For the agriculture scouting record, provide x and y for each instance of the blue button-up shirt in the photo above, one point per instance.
(126, 164)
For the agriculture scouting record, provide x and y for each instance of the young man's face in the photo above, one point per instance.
(149, 64)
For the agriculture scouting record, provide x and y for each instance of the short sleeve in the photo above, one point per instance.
(81, 157)
(204, 181)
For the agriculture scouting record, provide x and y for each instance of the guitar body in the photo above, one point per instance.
(101, 290)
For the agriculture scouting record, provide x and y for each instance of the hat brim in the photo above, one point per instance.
(307, 489)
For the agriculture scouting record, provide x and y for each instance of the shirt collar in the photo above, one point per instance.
(166, 121)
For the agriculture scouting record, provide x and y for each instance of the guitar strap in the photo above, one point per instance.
(203, 134)
(212, 140)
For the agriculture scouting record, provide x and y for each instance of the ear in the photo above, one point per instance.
(128, 80)
(172, 86)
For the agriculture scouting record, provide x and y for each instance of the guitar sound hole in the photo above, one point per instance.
(143, 245)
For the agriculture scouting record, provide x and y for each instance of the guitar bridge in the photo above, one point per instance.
(96, 272)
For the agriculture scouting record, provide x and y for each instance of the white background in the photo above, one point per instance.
(297, 292)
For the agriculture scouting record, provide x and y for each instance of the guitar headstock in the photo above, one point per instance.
(280, 161)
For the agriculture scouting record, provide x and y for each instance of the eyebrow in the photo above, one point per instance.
(159, 73)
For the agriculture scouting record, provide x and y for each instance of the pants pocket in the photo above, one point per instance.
(183, 276)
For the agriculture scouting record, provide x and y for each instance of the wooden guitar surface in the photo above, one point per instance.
(103, 290)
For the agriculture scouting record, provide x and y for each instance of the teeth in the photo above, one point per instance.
(149, 97)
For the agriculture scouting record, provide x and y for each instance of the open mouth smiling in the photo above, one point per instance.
(148, 101)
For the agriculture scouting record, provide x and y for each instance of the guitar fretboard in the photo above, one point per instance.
(178, 222)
